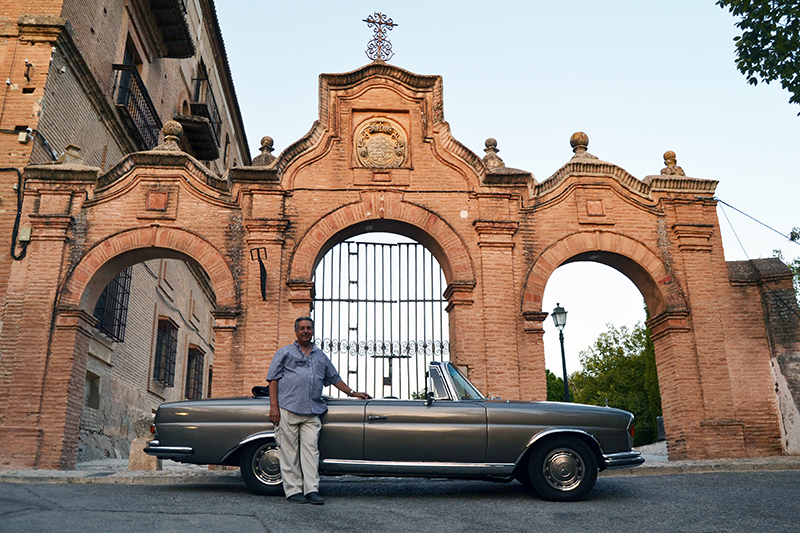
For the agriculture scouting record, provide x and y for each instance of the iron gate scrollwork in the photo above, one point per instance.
(380, 315)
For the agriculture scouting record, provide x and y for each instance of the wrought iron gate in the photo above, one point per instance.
(380, 316)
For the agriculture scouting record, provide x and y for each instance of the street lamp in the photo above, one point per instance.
(560, 318)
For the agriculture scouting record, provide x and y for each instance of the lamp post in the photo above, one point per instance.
(560, 318)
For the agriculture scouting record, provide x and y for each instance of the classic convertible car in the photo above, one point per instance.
(554, 448)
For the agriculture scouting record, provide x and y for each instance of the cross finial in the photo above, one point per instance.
(379, 48)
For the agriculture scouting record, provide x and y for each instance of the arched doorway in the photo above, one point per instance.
(380, 315)
(153, 342)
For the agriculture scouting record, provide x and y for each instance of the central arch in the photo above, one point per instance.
(384, 211)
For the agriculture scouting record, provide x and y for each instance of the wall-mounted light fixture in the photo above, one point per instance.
(28, 66)
(255, 255)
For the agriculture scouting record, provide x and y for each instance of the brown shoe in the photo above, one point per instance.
(314, 498)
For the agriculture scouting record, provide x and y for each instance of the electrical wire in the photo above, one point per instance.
(787, 237)
(792, 308)
(733, 230)
(15, 231)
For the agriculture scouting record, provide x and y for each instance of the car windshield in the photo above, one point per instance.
(465, 389)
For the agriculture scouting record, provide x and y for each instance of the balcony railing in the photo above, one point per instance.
(205, 105)
(135, 106)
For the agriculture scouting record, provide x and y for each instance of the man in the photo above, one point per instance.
(296, 376)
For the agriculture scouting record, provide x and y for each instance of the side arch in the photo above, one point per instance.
(382, 211)
(630, 257)
(107, 258)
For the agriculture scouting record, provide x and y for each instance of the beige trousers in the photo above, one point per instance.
(297, 437)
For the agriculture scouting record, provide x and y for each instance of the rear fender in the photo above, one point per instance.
(232, 456)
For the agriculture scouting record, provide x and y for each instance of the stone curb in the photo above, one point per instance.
(710, 465)
(198, 475)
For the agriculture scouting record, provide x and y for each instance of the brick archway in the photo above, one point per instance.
(628, 256)
(116, 252)
(384, 211)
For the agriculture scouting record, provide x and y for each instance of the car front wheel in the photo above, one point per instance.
(261, 469)
(563, 469)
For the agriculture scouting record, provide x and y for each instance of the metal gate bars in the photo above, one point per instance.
(380, 316)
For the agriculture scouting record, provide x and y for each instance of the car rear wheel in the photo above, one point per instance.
(563, 469)
(261, 469)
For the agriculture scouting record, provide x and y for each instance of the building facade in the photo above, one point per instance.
(92, 82)
(381, 157)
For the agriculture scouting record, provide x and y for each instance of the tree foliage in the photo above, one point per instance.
(555, 387)
(769, 47)
(620, 368)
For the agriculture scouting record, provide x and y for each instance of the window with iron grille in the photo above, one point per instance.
(111, 310)
(194, 374)
(166, 352)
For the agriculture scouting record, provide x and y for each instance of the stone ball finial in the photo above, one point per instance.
(491, 159)
(172, 129)
(672, 168)
(265, 158)
(579, 142)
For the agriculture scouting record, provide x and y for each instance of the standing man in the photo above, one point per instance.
(296, 376)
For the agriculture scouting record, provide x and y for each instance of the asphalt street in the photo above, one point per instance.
(691, 502)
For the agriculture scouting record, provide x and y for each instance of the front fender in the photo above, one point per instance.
(585, 436)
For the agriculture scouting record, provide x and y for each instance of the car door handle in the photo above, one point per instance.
(376, 417)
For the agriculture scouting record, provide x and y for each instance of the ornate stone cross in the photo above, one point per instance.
(379, 48)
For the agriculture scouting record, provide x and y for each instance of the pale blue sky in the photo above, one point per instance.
(639, 77)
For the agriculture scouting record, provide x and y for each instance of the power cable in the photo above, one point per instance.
(792, 308)
(15, 231)
(787, 237)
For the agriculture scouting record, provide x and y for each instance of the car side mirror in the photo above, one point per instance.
(429, 398)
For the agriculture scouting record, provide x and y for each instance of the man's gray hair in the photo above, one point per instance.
(301, 319)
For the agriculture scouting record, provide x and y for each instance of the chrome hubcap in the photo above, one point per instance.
(563, 469)
(266, 465)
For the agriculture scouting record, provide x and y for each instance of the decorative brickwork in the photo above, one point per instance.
(721, 342)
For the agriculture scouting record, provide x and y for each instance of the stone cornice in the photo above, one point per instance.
(163, 159)
(40, 28)
(253, 175)
(660, 183)
(669, 322)
(593, 167)
(65, 173)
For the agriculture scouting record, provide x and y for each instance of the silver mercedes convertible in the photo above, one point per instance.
(554, 448)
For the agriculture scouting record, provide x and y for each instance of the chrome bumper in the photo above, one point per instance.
(617, 460)
(167, 452)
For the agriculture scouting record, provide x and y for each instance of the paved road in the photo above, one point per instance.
(720, 501)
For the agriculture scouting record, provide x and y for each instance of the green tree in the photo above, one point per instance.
(555, 387)
(620, 369)
(769, 47)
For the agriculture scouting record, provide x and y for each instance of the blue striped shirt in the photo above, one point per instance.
(301, 379)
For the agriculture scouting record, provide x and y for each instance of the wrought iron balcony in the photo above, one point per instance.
(135, 106)
(205, 105)
(170, 17)
(199, 133)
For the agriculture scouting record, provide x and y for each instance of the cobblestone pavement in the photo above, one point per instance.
(112, 471)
